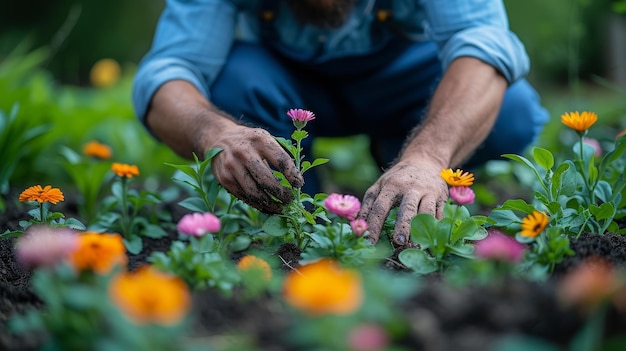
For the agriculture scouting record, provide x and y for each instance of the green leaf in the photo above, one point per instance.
(602, 212)
(603, 191)
(306, 165)
(134, 245)
(154, 231)
(418, 261)
(557, 179)
(543, 158)
(423, 229)
(195, 204)
(525, 162)
(275, 226)
(504, 217)
(517, 205)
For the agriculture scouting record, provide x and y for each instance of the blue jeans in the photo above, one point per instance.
(383, 95)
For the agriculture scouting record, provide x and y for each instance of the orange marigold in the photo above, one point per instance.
(579, 122)
(256, 264)
(534, 224)
(97, 149)
(99, 252)
(324, 287)
(457, 178)
(125, 170)
(150, 296)
(41, 195)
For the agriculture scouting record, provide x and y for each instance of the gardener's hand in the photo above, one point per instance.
(243, 167)
(414, 188)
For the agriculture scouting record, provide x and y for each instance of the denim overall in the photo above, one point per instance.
(383, 93)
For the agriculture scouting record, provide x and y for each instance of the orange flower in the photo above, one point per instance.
(251, 263)
(150, 296)
(457, 178)
(590, 283)
(105, 73)
(125, 170)
(579, 122)
(324, 287)
(97, 150)
(534, 224)
(99, 252)
(41, 195)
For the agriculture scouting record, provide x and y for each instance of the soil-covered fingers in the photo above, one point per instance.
(282, 161)
(375, 209)
(245, 188)
(412, 203)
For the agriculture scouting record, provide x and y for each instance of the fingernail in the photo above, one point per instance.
(401, 239)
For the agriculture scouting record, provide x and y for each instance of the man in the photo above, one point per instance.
(436, 83)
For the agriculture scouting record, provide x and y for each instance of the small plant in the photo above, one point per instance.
(15, 137)
(122, 211)
(197, 257)
(445, 242)
(89, 173)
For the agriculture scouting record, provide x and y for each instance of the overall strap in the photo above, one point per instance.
(268, 9)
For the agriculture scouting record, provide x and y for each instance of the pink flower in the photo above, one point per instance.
(42, 246)
(597, 149)
(368, 337)
(199, 224)
(346, 206)
(462, 195)
(499, 246)
(359, 226)
(300, 115)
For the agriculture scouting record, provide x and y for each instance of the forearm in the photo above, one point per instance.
(463, 111)
(181, 117)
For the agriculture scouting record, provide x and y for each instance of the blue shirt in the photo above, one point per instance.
(193, 37)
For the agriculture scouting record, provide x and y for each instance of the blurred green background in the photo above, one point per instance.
(47, 48)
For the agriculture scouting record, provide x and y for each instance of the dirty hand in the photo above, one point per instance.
(243, 167)
(414, 188)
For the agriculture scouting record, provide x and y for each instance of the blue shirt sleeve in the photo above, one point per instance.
(477, 28)
(192, 41)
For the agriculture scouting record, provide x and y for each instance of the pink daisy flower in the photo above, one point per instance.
(199, 224)
(499, 246)
(359, 226)
(300, 115)
(346, 206)
(42, 246)
(462, 195)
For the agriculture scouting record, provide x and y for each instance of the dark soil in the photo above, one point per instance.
(441, 317)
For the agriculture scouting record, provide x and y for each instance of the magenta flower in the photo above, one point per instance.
(499, 246)
(199, 224)
(368, 337)
(359, 226)
(300, 117)
(597, 149)
(42, 246)
(462, 195)
(346, 206)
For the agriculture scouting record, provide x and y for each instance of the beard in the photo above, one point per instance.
(321, 13)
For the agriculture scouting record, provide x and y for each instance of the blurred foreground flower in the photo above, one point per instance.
(595, 144)
(462, 195)
(125, 170)
(43, 246)
(500, 247)
(346, 206)
(149, 296)
(41, 195)
(457, 178)
(368, 337)
(99, 252)
(579, 122)
(256, 265)
(589, 284)
(534, 224)
(97, 149)
(324, 287)
(105, 73)
(198, 224)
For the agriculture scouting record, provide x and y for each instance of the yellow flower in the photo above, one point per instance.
(579, 122)
(457, 178)
(124, 170)
(534, 224)
(324, 287)
(150, 296)
(97, 149)
(41, 195)
(99, 252)
(105, 73)
(251, 263)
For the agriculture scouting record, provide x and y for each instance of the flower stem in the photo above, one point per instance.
(125, 225)
(41, 219)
